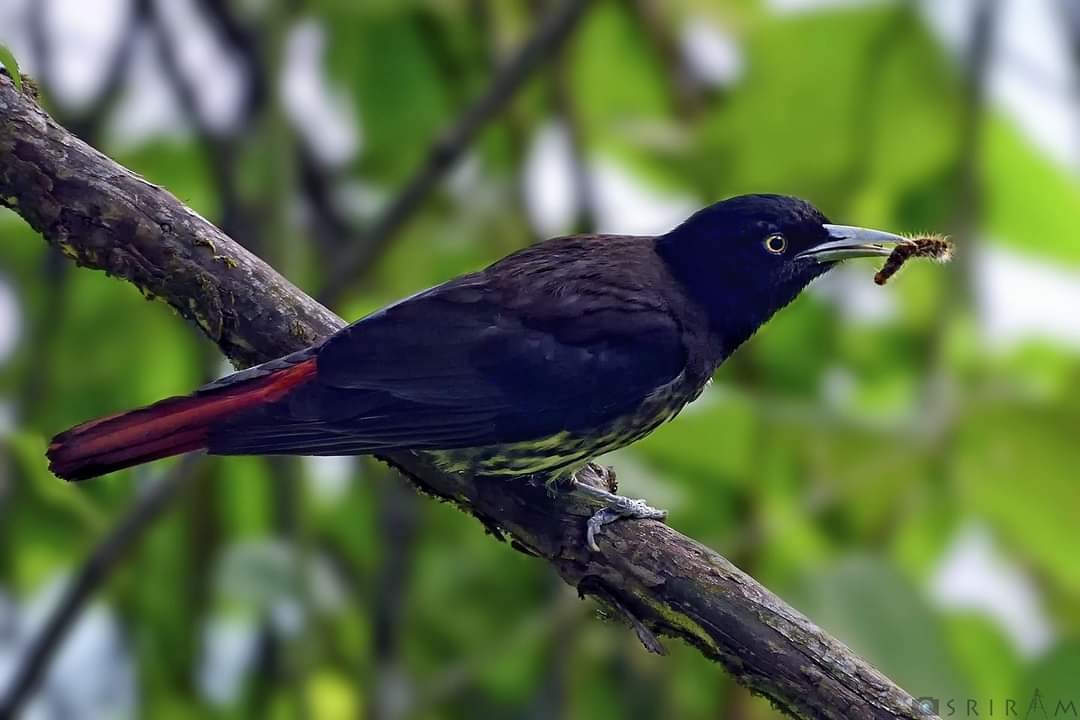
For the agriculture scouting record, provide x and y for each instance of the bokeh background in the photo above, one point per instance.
(900, 463)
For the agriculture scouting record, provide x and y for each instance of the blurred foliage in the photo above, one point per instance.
(835, 459)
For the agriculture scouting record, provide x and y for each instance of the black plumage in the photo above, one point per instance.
(534, 365)
(561, 337)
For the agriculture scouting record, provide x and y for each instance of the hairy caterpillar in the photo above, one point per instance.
(935, 247)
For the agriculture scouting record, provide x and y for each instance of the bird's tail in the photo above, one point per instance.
(170, 427)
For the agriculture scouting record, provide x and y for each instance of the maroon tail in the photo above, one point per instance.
(170, 427)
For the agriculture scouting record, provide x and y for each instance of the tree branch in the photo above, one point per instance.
(105, 217)
(146, 510)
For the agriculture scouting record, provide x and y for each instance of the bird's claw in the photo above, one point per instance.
(642, 511)
(615, 507)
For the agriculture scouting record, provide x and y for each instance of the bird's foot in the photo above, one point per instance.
(613, 507)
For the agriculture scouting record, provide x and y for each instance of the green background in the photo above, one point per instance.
(854, 461)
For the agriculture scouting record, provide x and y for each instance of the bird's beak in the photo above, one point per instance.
(848, 242)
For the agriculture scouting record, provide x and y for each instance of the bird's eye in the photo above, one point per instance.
(776, 243)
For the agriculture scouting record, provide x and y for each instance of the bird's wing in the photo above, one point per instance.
(466, 364)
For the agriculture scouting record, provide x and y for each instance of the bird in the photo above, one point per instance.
(528, 369)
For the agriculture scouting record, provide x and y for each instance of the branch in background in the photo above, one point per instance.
(146, 510)
(398, 525)
(335, 233)
(88, 121)
(1070, 14)
(938, 393)
(242, 39)
(220, 151)
(970, 130)
(687, 93)
(549, 35)
(329, 228)
(964, 222)
(865, 115)
(515, 127)
(104, 216)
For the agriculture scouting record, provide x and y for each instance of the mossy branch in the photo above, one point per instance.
(106, 217)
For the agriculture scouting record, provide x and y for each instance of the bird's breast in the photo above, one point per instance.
(564, 452)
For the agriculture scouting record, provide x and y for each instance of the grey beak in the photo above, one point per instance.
(852, 242)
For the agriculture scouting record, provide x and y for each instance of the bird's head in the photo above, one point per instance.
(746, 257)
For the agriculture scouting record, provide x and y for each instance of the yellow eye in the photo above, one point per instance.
(776, 243)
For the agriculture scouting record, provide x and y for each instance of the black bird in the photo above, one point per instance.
(529, 368)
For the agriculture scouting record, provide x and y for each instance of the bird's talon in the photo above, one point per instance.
(596, 523)
(613, 507)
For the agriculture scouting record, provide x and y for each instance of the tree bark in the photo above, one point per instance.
(106, 217)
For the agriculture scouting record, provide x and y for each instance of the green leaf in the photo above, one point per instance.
(606, 107)
(1016, 466)
(886, 83)
(402, 104)
(1036, 214)
(7, 60)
